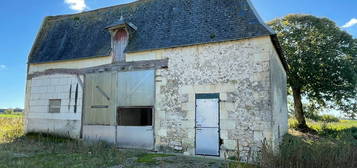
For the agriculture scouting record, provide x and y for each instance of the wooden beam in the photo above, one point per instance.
(55, 71)
(80, 81)
(119, 67)
(129, 66)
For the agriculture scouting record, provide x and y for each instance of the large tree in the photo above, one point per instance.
(321, 59)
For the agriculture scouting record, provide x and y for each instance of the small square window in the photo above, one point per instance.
(54, 106)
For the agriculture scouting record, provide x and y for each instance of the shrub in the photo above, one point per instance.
(10, 129)
(292, 122)
(329, 118)
(324, 118)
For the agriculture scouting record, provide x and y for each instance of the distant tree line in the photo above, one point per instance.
(11, 111)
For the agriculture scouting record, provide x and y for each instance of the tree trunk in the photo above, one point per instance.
(299, 112)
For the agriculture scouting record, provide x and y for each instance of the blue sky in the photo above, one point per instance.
(20, 21)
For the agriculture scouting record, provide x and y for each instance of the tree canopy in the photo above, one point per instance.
(322, 60)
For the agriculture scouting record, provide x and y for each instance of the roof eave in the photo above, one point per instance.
(279, 50)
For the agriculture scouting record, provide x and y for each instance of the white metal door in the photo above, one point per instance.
(207, 124)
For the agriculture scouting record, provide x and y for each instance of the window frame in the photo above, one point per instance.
(51, 106)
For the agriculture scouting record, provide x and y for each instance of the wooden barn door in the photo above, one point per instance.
(100, 99)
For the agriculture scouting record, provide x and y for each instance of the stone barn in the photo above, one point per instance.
(200, 77)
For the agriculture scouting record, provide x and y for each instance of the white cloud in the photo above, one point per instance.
(351, 23)
(77, 5)
(2, 67)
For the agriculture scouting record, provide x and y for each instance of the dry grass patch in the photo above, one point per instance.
(11, 128)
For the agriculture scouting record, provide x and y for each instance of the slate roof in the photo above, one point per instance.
(160, 24)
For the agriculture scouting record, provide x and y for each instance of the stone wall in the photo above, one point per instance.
(239, 71)
(279, 99)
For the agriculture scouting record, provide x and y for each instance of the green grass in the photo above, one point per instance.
(337, 130)
(307, 151)
(343, 124)
(150, 158)
(47, 151)
(43, 152)
(241, 165)
(11, 115)
(333, 145)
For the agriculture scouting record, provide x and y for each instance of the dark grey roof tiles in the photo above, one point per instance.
(160, 24)
(116, 23)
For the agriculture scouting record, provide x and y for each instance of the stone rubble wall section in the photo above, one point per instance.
(239, 71)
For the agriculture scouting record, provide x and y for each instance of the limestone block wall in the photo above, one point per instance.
(63, 87)
(40, 89)
(239, 71)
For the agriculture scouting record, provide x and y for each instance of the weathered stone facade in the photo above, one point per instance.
(240, 71)
(247, 74)
(174, 50)
(278, 80)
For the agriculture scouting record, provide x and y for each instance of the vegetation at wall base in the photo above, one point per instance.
(51, 151)
(334, 145)
(309, 151)
(10, 128)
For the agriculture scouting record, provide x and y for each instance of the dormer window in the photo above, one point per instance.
(120, 32)
(120, 41)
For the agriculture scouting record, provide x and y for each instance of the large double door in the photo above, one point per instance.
(122, 105)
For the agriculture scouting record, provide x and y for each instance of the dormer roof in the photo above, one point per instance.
(121, 23)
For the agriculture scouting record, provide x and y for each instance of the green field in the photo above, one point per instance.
(343, 124)
(11, 115)
(331, 130)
